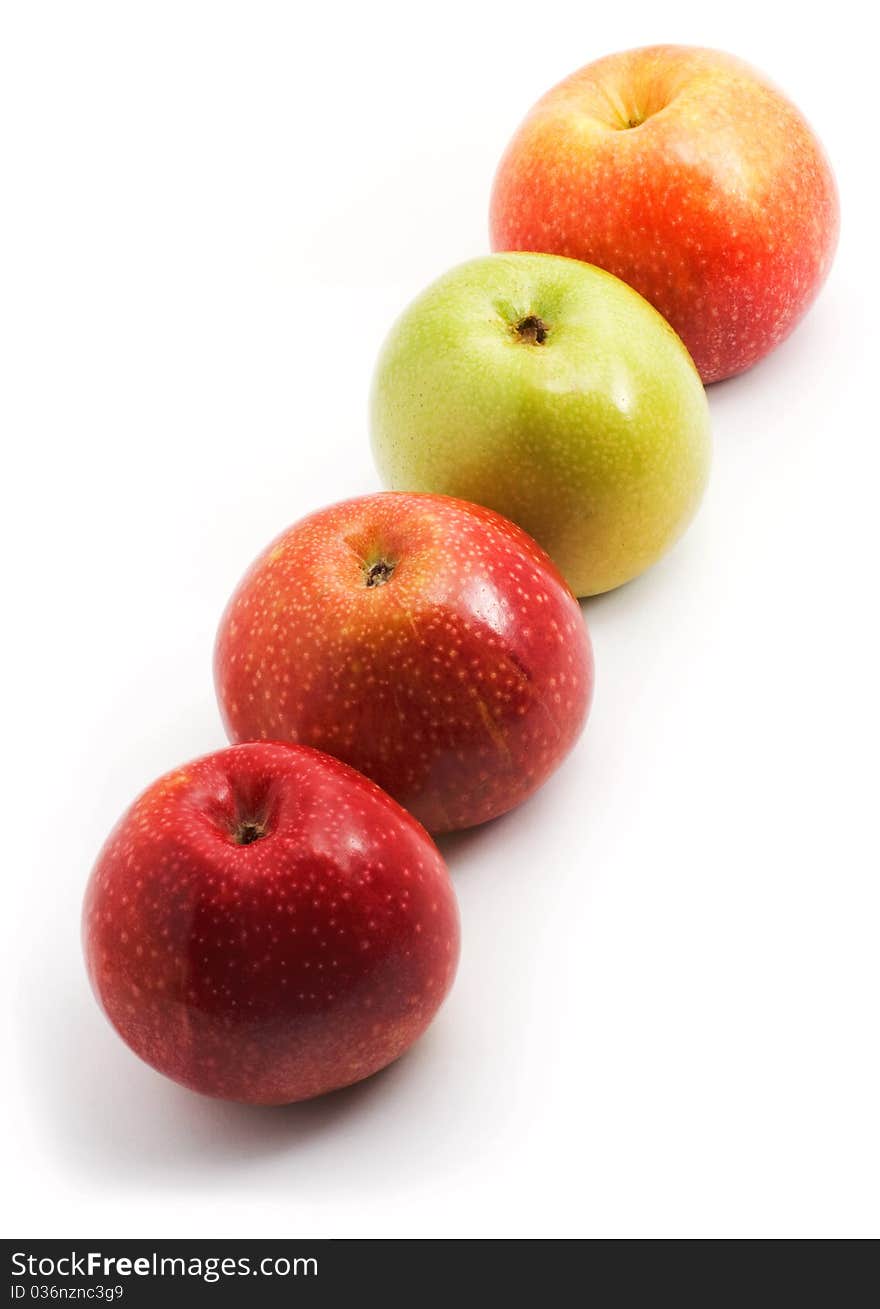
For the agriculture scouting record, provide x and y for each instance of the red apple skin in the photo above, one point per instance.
(273, 970)
(458, 684)
(718, 204)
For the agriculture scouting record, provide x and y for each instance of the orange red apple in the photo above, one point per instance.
(691, 177)
(427, 642)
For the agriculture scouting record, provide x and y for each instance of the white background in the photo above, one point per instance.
(666, 1017)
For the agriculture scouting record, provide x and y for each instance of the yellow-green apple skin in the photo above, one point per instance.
(549, 391)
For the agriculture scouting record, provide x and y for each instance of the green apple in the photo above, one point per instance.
(549, 391)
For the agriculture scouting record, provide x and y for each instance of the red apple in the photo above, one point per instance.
(428, 642)
(691, 177)
(264, 925)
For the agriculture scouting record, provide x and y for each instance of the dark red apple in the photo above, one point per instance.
(264, 925)
(428, 642)
(690, 176)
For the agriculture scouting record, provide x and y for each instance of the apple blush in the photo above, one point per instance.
(691, 177)
(428, 642)
(265, 925)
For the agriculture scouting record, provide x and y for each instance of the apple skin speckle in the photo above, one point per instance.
(428, 642)
(689, 176)
(264, 925)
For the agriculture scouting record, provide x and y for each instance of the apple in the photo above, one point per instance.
(551, 392)
(690, 176)
(427, 642)
(264, 925)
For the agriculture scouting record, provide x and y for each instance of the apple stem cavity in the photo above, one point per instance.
(532, 329)
(379, 573)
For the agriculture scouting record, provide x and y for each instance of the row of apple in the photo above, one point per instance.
(273, 921)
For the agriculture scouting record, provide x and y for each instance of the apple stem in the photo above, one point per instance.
(248, 831)
(377, 574)
(532, 329)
